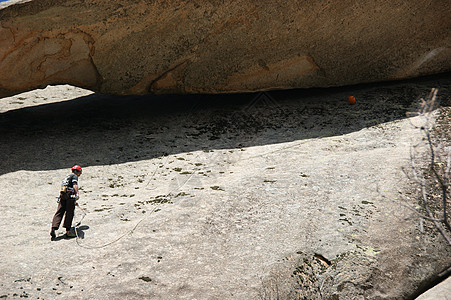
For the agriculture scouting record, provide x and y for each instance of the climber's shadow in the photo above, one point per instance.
(80, 231)
(59, 238)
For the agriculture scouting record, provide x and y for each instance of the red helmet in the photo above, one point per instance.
(77, 168)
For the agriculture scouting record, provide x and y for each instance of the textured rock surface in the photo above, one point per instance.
(233, 195)
(137, 47)
(439, 292)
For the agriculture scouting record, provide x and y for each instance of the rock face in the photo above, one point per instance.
(139, 47)
(289, 196)
(441, 291)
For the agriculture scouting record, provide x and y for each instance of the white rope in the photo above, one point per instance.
(172, 192)
(128, 232)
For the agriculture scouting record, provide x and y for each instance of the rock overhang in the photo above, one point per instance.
(137, 47)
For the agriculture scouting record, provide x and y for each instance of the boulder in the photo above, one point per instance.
(140, 47)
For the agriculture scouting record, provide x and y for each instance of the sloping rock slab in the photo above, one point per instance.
(234, 196)
(439, 292)
(139, 47)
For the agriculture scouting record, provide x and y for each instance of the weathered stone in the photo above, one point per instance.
(235, 196)
(439, 292)
(138, 47)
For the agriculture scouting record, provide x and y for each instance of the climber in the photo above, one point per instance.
(66, 203)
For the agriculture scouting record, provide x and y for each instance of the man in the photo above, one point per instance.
(67, 202)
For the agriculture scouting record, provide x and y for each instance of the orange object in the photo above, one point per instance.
(351, 99)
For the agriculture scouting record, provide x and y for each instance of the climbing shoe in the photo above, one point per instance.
(70, 235)
(53, 235)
